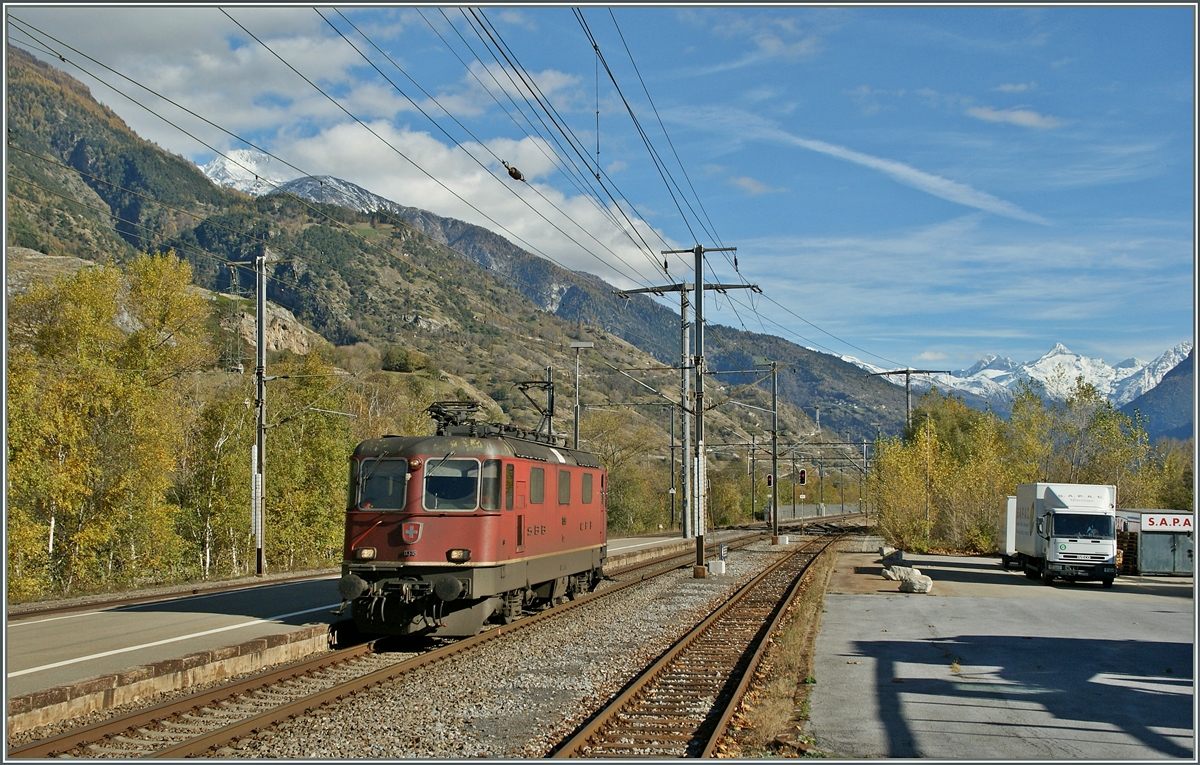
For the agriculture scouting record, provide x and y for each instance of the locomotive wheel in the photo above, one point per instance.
(514, 601)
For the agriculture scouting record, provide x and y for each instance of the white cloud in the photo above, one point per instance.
(754, 187)
(932, 356)
(1022, 117)
(1015, 87)
(750, 126)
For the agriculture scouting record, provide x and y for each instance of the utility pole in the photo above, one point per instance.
(258, 501)
(578, 347)
(692, 511)
(701, 493)
(753, 477)
(671, 412)
(793, 484)
(775, 451)
(908, 373)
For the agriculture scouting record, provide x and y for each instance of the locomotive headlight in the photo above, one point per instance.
(414, 464)
(365, 553)
(458, 555)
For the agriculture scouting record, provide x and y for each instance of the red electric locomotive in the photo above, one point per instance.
(478, 522)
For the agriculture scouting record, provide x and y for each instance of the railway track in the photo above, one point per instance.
(204, 722)
(680, 705)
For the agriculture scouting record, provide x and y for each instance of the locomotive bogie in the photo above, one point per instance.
(445, 532)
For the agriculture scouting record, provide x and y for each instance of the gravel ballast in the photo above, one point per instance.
(516, 697)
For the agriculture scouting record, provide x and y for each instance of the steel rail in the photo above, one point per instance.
(267, 719)
(748, 675)
(623, 705)
(96, 732)
(80, 737)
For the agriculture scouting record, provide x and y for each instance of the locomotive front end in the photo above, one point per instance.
(418, 536)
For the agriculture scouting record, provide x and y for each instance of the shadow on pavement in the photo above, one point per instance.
(1089, 686)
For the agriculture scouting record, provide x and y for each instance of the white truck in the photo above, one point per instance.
(1065, 530)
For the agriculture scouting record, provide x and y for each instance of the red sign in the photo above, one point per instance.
(1166, 522)
(411, 532)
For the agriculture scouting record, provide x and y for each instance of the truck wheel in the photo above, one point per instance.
(1005, 561)
(1107, 584)
(1032, 574)
(1047, 579)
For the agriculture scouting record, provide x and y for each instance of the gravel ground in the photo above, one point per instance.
(516, 697)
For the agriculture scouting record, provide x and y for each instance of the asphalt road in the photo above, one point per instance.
(991, 665)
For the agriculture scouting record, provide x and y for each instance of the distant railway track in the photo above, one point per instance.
(204, 722)
(681, 704)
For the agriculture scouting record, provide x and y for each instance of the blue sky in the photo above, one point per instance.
(924, 185)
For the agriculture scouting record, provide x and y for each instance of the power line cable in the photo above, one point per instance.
(540, 141)
(654, 158)
(552, 113)
(460, 146)
(387, 143)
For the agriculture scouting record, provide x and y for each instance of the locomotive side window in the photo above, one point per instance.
(508, 487)
(587, 488)
(489, 488)
(452, 485)
(537, 485)
(383, 483)
(564, 487)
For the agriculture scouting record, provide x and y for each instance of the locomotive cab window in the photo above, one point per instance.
(452, 485)
(489, 494)
(382, 483)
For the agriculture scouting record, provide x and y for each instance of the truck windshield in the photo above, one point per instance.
(383, 482)
(452, 485)
(1092, 526)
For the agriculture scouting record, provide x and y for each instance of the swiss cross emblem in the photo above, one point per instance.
(412, 532)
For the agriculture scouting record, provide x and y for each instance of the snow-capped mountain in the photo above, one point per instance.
(334, 191)
(250, 172)
(995, 377)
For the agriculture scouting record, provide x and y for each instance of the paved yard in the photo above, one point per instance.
(991, 665)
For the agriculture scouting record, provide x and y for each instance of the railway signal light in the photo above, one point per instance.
(801, 476)
(770, 480)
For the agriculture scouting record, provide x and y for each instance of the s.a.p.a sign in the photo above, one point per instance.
(1166, 522)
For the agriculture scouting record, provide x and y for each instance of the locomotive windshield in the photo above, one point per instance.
(452, 485)
(383, 482)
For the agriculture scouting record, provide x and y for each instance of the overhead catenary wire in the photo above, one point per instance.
(460, 146)
(580, 181)
(391, 146)
(531, 87)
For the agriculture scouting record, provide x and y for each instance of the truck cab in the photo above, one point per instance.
(1066, 531)
(1080, 546)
